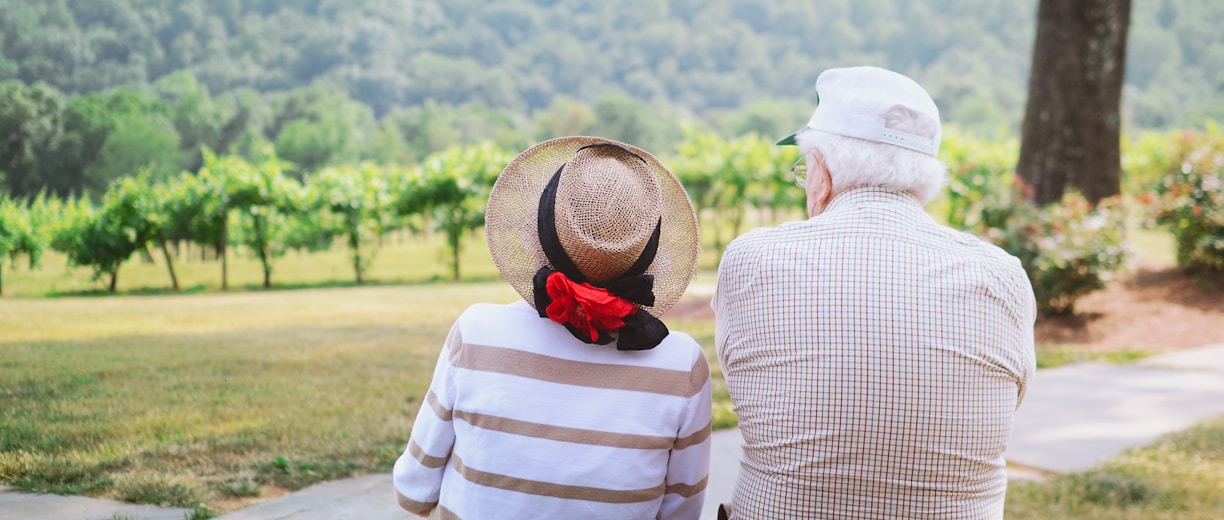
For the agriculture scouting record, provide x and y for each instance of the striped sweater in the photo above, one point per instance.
(522, 420)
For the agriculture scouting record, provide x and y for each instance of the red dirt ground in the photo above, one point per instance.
(1152, 309)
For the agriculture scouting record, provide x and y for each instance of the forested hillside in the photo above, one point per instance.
(330, 81)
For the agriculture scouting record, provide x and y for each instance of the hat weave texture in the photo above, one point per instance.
(609, 200)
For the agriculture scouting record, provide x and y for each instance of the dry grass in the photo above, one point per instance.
(224, 398)
(201, 398)
(1178, 477)
(401, 258)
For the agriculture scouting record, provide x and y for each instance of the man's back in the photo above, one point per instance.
(875, 360)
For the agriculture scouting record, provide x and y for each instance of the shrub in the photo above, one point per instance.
(980, 176)
(1069, 249)
(1190, 200)
(19, 234)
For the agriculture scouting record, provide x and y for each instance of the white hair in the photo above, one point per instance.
(856, 162)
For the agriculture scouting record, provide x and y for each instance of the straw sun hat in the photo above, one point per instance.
(585, 226)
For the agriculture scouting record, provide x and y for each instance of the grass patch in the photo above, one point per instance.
(1049, 356)
(189, 400)
(1178, 477)
(402, 258)
(199, 401)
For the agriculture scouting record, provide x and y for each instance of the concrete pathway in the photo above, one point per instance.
(15, 505)
(1078, 416)
(1073, 418)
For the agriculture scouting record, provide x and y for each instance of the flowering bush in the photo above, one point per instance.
(980, 176)
(1069, 249)
(1190, 201)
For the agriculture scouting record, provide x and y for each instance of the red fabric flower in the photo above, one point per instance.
(585, 307)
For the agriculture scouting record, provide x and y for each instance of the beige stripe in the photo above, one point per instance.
(425, 459)
(700, 375)
(412, 506)
(687, 490)
(438, 409)
(579, 373)
(564, 434)
(697, 437)
(549, 489)
(443, 513)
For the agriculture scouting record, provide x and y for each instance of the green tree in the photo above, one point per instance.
(18, 235)
(135, 143)
(321, 126)
(454, 188)
(361, 204)
(723, 177)
(565, 117)
(198, 120)
(201, 206)
(105, 238)
(262, 196)
(107, 136)
(432, 127)
(30, 129)
(625, 119)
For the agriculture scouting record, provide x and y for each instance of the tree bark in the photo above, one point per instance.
(221, 252)
(355, 247)
(1072, 123)
(169, 264)
(262, 249)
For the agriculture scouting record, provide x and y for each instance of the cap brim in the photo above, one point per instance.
(788, 140)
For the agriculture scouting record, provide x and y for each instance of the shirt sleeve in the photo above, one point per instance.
(418, 472)
(735, 276)
(688, 468)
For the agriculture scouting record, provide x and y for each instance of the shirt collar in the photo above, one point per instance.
(859, 196)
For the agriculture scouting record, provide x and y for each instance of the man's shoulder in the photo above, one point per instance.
(765, 236)
(977, 246)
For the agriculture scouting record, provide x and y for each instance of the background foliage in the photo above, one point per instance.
(98, 89)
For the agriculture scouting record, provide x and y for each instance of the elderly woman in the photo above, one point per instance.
(576, 401)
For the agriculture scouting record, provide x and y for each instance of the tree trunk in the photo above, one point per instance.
(262, 248)
(1072, 124)
(267, 269)
(355, 245)
(114, 280)
(169, 264)
(221, 252)
(455, 258)
(454, 238)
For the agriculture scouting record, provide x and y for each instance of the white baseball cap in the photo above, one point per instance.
(863, 102)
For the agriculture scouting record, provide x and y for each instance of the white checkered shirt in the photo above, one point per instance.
(876, 360)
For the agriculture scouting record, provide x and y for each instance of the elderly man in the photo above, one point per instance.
(876, 359)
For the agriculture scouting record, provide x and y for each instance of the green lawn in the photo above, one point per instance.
(1178, 477)
(402, 258)
(206, 398)
(203, 398)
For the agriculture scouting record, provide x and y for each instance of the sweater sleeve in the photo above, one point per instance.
(688, 469)
(418, 472)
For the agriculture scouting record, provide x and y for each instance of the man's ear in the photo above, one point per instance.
(820, 180)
